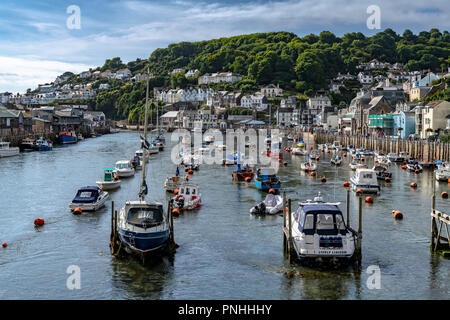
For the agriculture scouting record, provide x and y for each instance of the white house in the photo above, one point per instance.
(123, 74)
(85, 74)
(285, 117)
(104, 86)
(229, 77)
(255, 101)
(272, 91)
(365, 78)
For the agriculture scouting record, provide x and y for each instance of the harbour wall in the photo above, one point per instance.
(418, 149)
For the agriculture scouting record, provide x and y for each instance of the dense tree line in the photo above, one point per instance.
(301, 65)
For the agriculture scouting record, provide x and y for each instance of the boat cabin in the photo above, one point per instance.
(188, 190)
(322, 219)
(366, 177)
(123, 164)
(108, 175)
(145, 215)
(87, 195)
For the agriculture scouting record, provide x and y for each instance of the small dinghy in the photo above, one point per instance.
(382, 172)
(357, 165)
(188, 197)
(89, 199)
(272, 204)
(110, 180)
(414, 166)
(336, 160)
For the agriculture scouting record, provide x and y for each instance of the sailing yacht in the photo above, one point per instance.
(143, 227)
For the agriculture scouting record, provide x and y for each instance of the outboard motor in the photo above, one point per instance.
(180, 202)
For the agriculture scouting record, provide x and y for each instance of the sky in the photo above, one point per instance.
(41, 39)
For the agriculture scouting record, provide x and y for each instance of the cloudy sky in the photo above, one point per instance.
(36, 44)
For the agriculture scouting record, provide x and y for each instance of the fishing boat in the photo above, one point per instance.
(336, 160)
(143, 228)
(267, 179)
(242, 174)
(355, 165)
(382, 172)
(365, 180)
(44, 145)
(320, 233)
(188, 197)
(414, 166)
(89, 199)
(67, 137)
(28, 144)
(172, 183)
(124, 169)
(442, 172)
(110, 180)
(7, 151)
(272, 204)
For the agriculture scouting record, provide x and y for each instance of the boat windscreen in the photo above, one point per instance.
(145, 217)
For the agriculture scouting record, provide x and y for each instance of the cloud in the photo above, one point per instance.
(18, 74)
(132, 29)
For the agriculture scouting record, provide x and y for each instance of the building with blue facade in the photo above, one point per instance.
(406, 121)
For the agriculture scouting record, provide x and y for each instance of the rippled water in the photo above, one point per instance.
(224, 253)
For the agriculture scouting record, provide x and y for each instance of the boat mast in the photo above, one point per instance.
(145, 151)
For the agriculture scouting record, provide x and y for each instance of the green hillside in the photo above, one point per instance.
(300, 65)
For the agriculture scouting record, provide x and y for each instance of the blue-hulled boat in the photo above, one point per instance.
(267, 179)
(67, 137)
(143, 227)
(44, 145)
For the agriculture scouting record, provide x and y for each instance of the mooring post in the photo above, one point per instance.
(171, 223)
(112, 220)
(115, 225)
(433, 221)
(290, 230)
(348, 208)
(358, 248)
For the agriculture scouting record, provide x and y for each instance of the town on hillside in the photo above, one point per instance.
(387, 102)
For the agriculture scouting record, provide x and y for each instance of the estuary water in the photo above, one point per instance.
(224, 253)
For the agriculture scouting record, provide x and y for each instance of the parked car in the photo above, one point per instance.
(433, 137)
(413, 136)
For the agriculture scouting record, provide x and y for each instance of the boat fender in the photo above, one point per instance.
(369, 200)
(346, 184)
(39, 222)
(77, 211)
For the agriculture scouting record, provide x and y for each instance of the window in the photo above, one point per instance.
(309, 222)
(325, 221)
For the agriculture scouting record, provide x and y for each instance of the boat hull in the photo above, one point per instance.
(67, 139)
(9, 152)
(139, 242)
(364, 188)
(266, 186)
(108, 185)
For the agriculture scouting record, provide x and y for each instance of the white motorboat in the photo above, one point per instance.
(110, 180)
(188, 197)
(365, 180)
(442, 172)
(7, 151)
(272, 204)
(382, 172)
(320, 233)
(298, 151)
(124, 168)
(384, 160)
(89, 199)
(414, 166)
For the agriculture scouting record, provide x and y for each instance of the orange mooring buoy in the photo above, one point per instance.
(313, 173)
(247, 179)
(190, 172)
(361, 191)
(77, 211)
(4, 244)
(404, 167)
(346, 184)
(397, 214)
(176, 211)
(369, 200)
(175, 191)
(271, 190)
(323, 179)
(39, 222)
(387, 179)
(413, 185)
(444, 195)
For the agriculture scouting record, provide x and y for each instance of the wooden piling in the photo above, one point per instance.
(348, 207)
